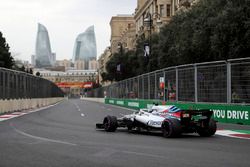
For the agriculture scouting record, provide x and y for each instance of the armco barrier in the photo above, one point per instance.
(24, 104)
(238, 114)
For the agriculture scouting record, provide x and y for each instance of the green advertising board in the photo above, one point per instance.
(227, 113)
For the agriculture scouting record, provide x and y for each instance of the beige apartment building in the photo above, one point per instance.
(65, 63)
(92, 65)
(125, 29)
(79, 65)
(121, 25)
(160, 12)
(102, 62)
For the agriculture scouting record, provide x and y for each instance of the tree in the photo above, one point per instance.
(6, 60)
(211, 30)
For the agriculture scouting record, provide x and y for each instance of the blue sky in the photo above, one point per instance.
(64, 20)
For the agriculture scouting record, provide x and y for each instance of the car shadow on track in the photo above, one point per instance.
(156, 133)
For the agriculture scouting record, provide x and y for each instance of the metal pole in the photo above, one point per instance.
(4, 86)
(177, 85)
(148, 86)
(164, 93)
(143, 88)
(229, 86)
(138, 88)
(195, 84)
(7, 77)
(155, 93)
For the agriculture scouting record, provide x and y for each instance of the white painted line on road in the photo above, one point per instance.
(106, 153)
(41, 138)
(230, 133)
(78, 108)
(110, 152)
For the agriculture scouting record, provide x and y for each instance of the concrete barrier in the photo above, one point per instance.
(99, 100)
(25, 104)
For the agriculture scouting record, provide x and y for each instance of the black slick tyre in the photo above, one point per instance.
(110, 123)
(208, 131)
(171, 128)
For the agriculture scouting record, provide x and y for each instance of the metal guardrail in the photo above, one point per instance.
(15, 85)
(216, 82)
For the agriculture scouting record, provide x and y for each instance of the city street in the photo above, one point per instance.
(65, 135)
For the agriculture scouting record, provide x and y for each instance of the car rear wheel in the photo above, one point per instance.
(171, 128)
(110, 123)
(209, 130)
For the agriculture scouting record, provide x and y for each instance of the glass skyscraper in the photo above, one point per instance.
(43, 56)
(85, 47)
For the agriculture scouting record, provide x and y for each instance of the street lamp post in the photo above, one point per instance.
(148, 22)
(119, 46)
(119, 65)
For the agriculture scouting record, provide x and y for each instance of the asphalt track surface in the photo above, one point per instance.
(65, 135)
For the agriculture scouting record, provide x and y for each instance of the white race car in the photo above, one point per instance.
(170, 120)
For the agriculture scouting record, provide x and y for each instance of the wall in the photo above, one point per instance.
(25, 104)
(100, 100)
(227, 113)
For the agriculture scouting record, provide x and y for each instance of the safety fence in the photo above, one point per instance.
(17, 85)
(211, 82)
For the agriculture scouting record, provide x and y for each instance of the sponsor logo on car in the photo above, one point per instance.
(154, 123)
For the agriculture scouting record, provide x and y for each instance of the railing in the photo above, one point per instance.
(216, 82)
(16, 85)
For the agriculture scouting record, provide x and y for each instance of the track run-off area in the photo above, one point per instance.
(64, 135)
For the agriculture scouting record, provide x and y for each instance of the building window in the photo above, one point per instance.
(161, 10)
(168, 10)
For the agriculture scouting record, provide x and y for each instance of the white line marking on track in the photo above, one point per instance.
(106, 153)
(41, 138)
(78, 108)
(229, 133)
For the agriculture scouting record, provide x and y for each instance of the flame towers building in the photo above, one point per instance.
(85, 47)
(43, 56)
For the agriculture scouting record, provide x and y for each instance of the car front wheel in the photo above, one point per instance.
(110, 123)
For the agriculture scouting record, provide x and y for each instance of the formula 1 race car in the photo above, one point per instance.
(169, 119)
